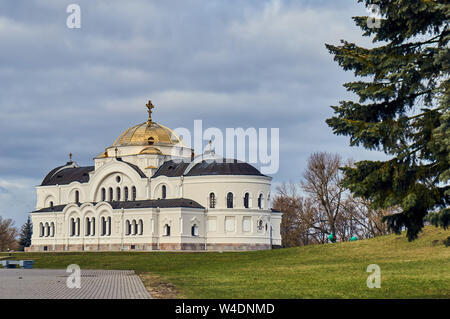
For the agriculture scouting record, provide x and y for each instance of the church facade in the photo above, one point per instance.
(148, 191)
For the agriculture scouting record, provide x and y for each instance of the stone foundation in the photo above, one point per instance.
(184, 246)
(92, 247)
(148, 247)
(244, 247)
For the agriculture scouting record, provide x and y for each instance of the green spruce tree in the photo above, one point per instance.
(25, 234)
(403, 110)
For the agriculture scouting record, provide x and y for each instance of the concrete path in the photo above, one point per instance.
(52, 284)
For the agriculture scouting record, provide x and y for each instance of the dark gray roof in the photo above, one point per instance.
(151, 203)
(64, 176)
(224, 167)
(161, 203)
(171, 169)
(56, 209)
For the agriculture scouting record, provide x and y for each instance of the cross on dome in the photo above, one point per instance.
(149, 106)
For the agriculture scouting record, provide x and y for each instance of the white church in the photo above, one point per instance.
(149, 192)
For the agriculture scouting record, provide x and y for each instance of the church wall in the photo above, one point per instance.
(218, 228)
(198, 188)
(276, 226)
(228, 226)
(106, 175)
(61, 194)
(47, 194)
(172, 187)
(179, 221)
(152, 233)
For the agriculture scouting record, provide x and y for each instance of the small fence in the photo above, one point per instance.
(25, 264)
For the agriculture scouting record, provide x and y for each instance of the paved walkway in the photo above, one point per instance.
(51, 284)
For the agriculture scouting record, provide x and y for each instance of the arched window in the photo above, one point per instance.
(118, 194)
(246, 199)
(103, 194)
(194, 230)
(41, 230)
(77, 197)
(260, 225)
(103, 227)
(230, 200)
(140, 227)
(212, 200)
(51, 204)
(133, 190)
(166, 230)
(127, 228)
(125, 193)
(109, 226)
(111, 194)
(260, 199)
(163, 192)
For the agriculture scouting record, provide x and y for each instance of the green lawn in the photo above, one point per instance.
(419, 269)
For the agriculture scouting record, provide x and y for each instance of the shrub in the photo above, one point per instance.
(447, 241)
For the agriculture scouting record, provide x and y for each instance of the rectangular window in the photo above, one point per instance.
(212, 224)
(229, 224)
(247, 224)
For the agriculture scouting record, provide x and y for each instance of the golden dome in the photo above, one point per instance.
(148, 134)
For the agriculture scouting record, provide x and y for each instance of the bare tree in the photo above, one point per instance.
(368, 222)
(302, 223)
(292, 227)
(322, 181)
(320, 205)
(8, 234)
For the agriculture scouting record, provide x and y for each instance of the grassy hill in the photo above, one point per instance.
(419, 269)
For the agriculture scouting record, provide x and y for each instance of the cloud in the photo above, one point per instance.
(17, 198)
(239, 63)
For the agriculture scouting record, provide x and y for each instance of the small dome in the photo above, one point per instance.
(148, 134)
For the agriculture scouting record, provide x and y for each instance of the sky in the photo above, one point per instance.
(229, 63)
